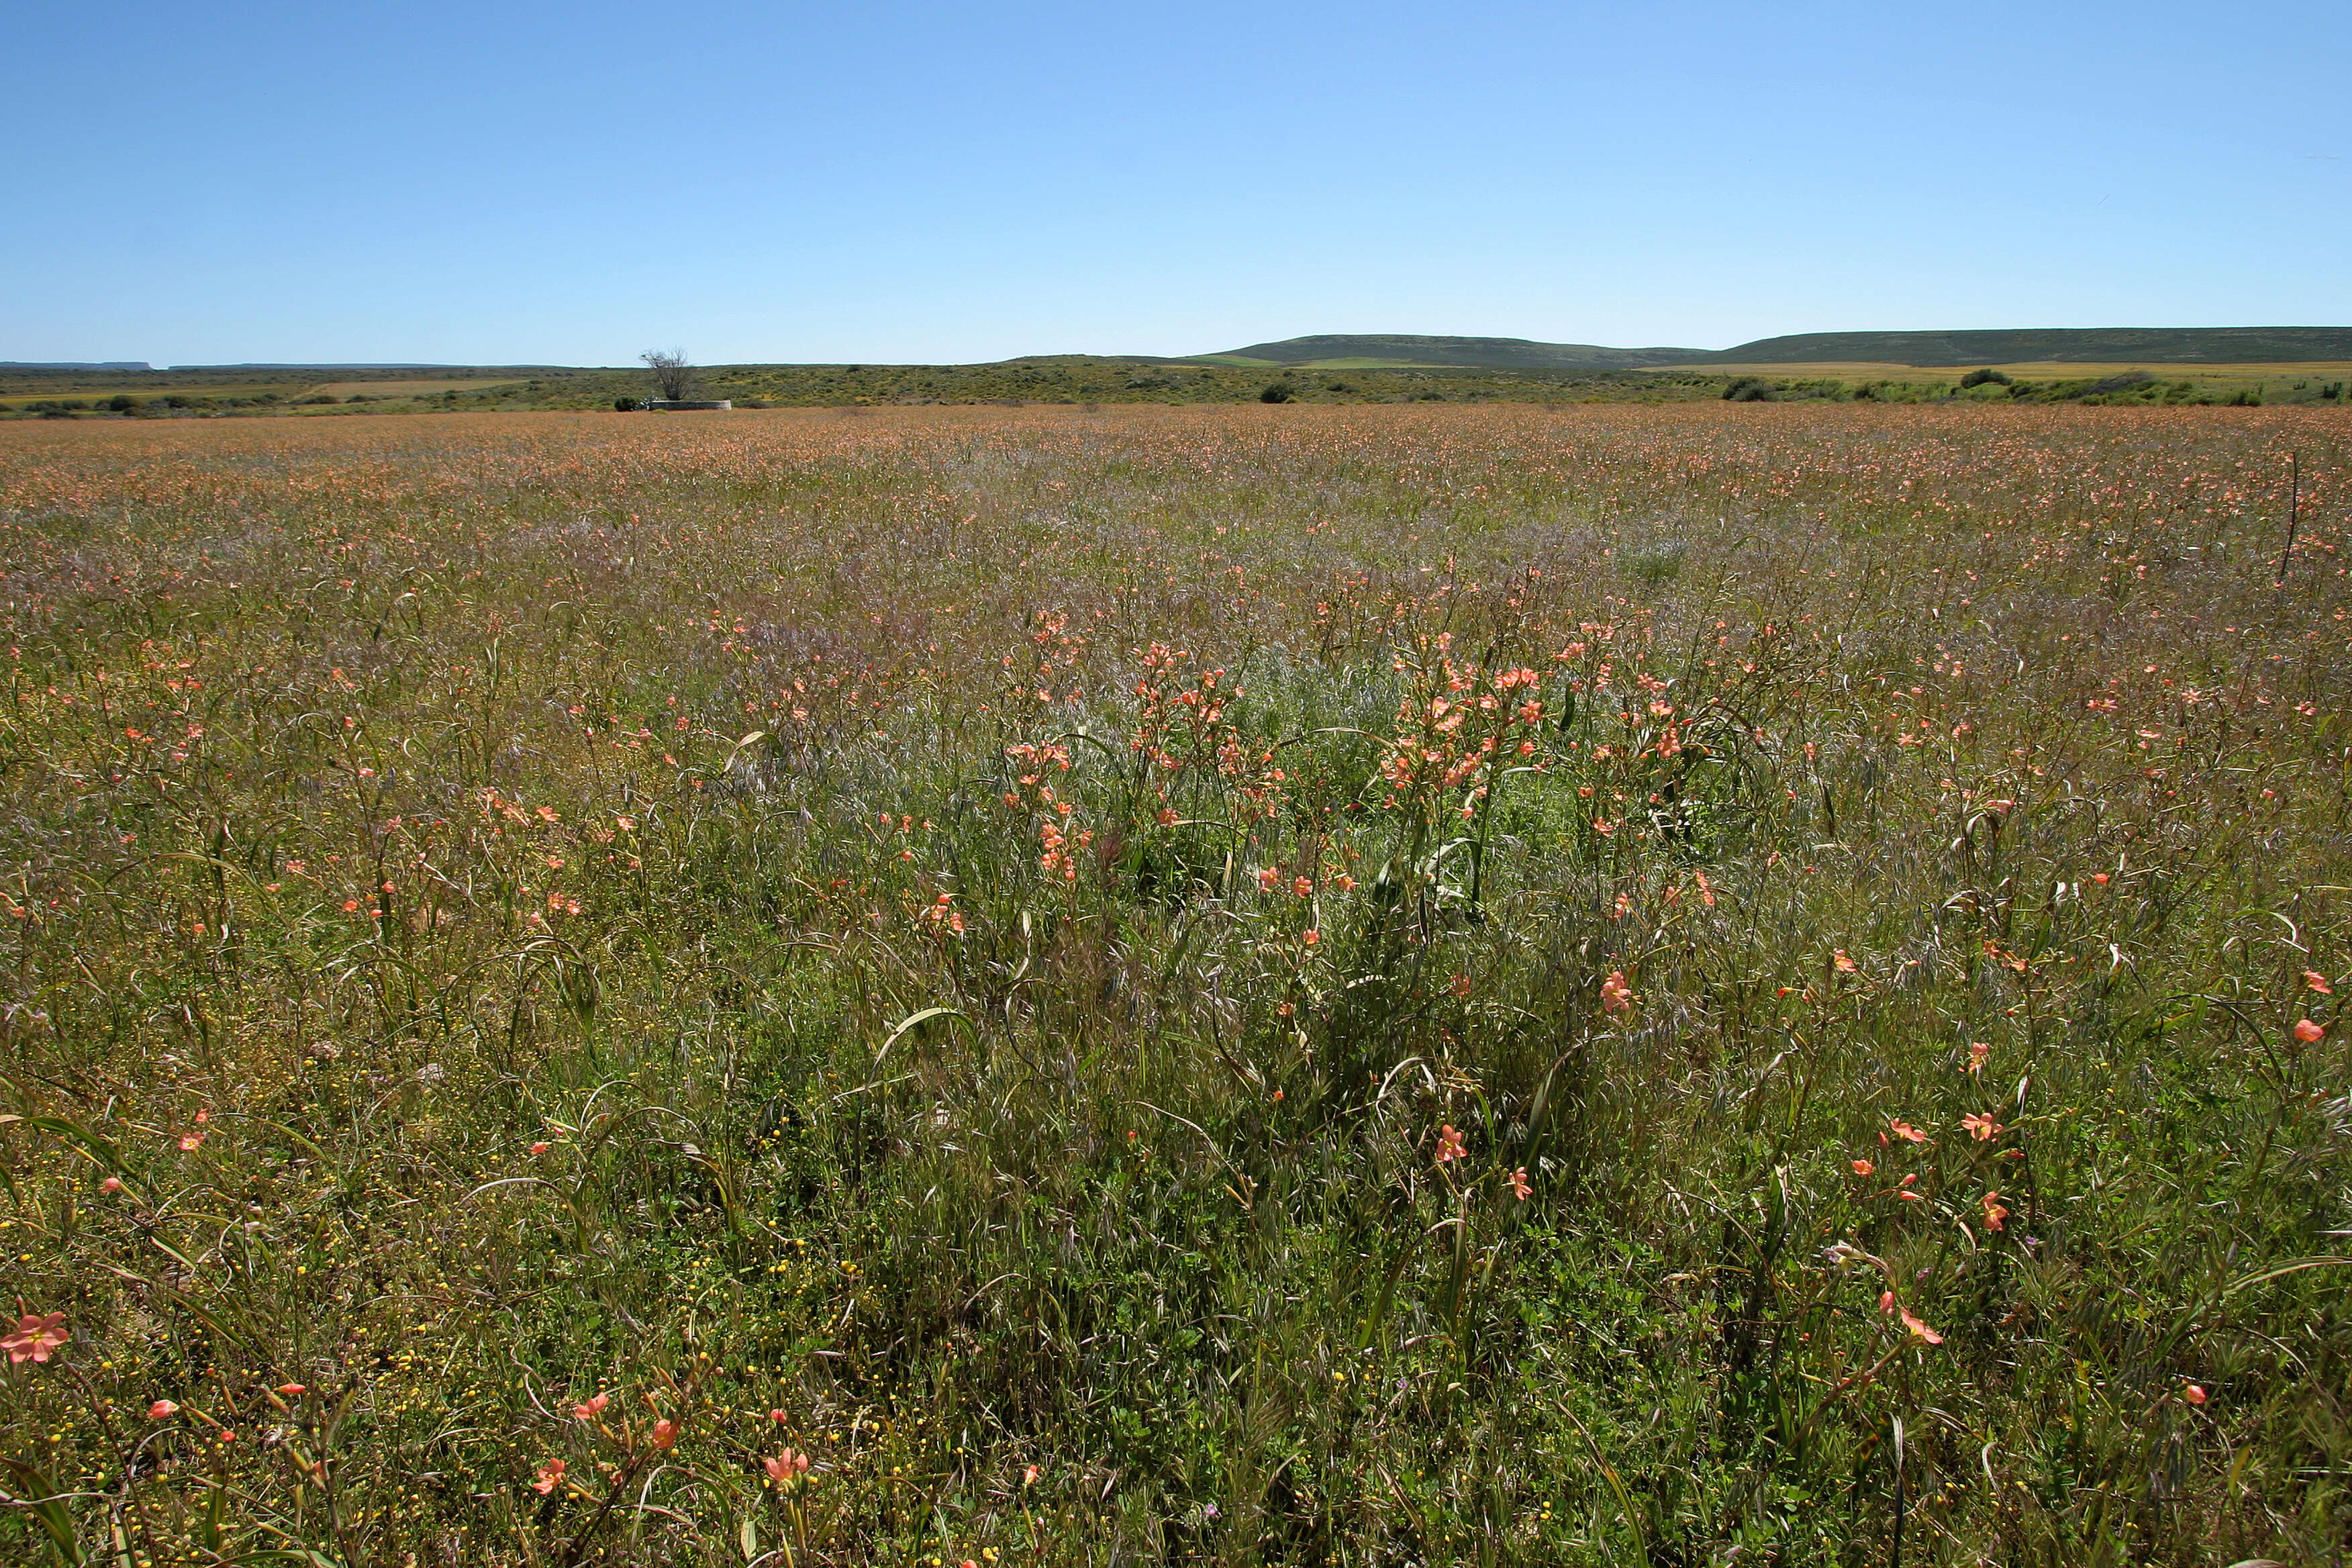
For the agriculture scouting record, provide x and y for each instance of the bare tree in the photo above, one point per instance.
(672, 372)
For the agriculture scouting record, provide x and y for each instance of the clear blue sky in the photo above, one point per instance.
(502, 183)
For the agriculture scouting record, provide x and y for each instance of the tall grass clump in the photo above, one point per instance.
(1351, 985)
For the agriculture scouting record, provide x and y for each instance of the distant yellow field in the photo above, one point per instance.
(289, 390)
(411, 388)
(23, 394)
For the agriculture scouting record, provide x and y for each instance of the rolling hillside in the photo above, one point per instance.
(2078, 345)
(2082, 345)
(1358, 349)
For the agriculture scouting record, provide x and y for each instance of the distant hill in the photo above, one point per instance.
(2090, 345)
(75, 364)
(2086, 345)
(257, 364)
(1491, 353)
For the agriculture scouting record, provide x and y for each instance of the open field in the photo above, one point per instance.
(417, 387)
(1355, 985)
(2040, 370)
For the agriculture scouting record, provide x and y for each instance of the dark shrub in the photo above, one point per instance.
(123, 403)
(625, 406)
(1751, 389)
(2128, 380)
(1980, 377)
(1275, 392)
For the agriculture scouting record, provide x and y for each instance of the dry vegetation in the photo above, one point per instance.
(1351, 986)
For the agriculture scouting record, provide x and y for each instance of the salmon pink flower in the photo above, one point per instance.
(1449, 1144)
(589, 1409)
(1921, 1331)
(551, 1475)
(2318, 982)
(111, 1185)
(35, 1339)
(665, 1434)
(162, 1410)
(1863, 1167)
(1904, 1130)
(2194, 1394)
(1976, 1052)
(2308, 1032)
(785, 1467)
(1994, 1210)
(1519, 1187)
(1983, 1129)
(1616, 997)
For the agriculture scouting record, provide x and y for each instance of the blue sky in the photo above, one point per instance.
(503, 182)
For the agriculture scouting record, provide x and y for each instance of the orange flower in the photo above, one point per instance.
(1844, 965)
(35, 1339)
(1921, 1331)
(1994, 1211)
(1310, 937)
(551, 1475)
(1616, 997)
(1460, 985)
(1905, 1130)
(1984, 1129)
(538, 1148)
(2194, 1394)
(785, 1467)
(1976, 1052)
(162, 1410)
(1519, 1186)
(1863, 1167)
(588, 1410)
(1449, 1144)
(2308, 1032)
(191, 1141)
(665, 1434)
(2318, 982)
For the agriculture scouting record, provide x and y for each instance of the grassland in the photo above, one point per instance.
(1365, 985)
(1090, 380)
(2282, 376)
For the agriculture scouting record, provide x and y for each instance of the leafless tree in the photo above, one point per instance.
(672, 372)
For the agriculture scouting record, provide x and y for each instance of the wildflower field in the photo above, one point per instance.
(1359, 985)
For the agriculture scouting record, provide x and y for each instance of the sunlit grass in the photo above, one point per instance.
(1366, 985)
